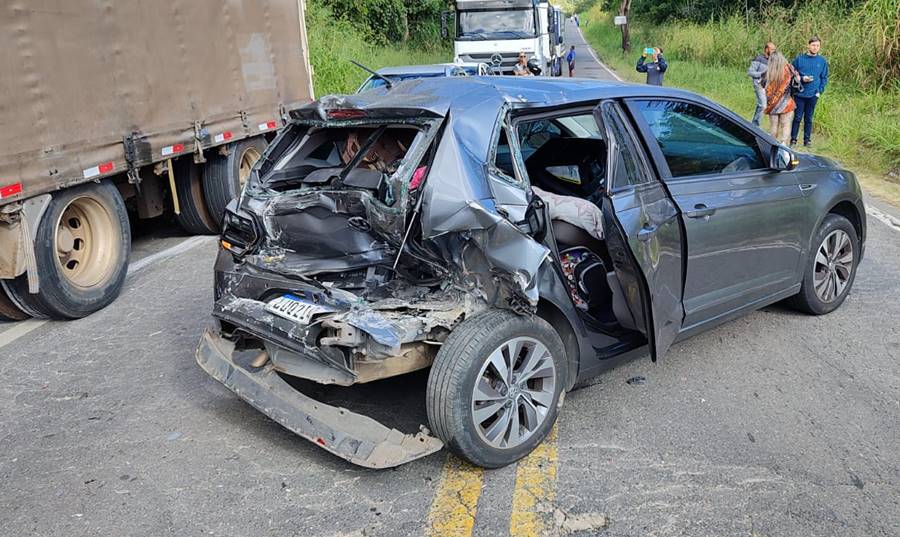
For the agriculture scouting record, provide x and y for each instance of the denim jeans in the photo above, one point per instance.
(805, 108)
(760, 102)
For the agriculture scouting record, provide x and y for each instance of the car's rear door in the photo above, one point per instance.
(643, 230)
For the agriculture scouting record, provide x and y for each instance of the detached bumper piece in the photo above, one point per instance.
(354, 437)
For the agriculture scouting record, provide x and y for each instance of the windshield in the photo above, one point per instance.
(504, 24)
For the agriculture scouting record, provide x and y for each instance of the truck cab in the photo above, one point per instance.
(496, 31)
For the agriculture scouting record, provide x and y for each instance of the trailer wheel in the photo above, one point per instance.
(82, 248)
(8, 309)
(225, 176)
(194, 216)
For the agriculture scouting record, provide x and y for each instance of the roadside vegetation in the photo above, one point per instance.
(376, 33)
(709, 47)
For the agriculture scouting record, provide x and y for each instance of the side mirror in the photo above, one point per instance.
(782, 159)
(445, 31)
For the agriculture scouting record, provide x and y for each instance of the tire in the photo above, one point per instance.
(838, 272)
(194, 216)
(222, 178)
(464, 360)
(89, 225)
(9, 311)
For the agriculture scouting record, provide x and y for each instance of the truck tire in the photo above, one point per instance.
(494, 388)
(225, 175)
(82, 246)
(194, 216)
(8, 309)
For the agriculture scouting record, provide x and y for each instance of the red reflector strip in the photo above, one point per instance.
(99, 169)
(172, 149)
(267, 125)
(222, 136)
(10, 190)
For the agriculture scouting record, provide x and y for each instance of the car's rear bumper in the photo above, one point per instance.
(354, 437)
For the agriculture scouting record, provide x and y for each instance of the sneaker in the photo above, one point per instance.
(793, 143)
(807, 144)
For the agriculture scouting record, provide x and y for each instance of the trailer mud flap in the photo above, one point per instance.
(354, 437)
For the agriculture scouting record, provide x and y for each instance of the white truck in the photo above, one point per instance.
(496, 31)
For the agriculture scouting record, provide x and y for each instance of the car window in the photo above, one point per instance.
(697, 141)
(627, 169)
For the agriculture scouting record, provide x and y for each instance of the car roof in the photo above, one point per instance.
(438, 96)
(422, 69)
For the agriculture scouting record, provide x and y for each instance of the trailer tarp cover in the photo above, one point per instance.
(170, 76)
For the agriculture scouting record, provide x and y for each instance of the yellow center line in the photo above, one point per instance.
(453, 509)
(535, 494)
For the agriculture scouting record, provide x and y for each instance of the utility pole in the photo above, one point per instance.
(623, 11)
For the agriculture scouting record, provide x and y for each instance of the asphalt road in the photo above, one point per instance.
(774, 424)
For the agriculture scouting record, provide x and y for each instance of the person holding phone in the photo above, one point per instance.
(813, 70)
(655, 68)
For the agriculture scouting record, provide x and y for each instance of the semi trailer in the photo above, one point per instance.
(115, 111)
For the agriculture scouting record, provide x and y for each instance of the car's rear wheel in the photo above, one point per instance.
(494, 388)
(831, 270)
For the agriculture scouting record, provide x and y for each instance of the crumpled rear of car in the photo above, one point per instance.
(366, 233)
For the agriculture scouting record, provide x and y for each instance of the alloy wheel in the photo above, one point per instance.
(833, 266)
(513, 392)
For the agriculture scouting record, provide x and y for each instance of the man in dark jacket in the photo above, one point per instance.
(813, 71)
(757, 72)
(655, 68)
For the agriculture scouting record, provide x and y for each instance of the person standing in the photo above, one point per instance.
(813, 70)
(521, 66)
(757, 73)
(655, 68)
(780, 105)
(570, 58)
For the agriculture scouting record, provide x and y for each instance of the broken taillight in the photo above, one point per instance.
(346, 113)
(238, 233)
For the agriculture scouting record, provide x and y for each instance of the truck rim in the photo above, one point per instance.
(248, 159)
(86, 242)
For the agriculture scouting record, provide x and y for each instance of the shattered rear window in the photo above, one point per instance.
(358, 156)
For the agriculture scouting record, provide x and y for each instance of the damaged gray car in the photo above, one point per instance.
(515, 236)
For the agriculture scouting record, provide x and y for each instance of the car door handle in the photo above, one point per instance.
(646, 233)
(700, 211)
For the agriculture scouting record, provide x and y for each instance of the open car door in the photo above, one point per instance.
(643, 231)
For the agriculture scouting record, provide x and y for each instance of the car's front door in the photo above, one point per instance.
(647, 224)
(740, 217)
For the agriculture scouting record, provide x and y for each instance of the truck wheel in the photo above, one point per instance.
(8, 309)
(225, 175)
(494, 388)
(831, 269)
(82, 247)
(194, 217)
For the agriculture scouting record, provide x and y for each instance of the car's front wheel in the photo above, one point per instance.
(494, 388)
(829, 274)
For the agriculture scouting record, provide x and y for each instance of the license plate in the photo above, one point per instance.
(293, 308)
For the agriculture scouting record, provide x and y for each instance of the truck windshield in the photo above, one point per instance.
(499, 24)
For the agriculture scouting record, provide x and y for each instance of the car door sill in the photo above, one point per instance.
(696, 328)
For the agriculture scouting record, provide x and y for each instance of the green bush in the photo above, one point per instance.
(334, 41)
